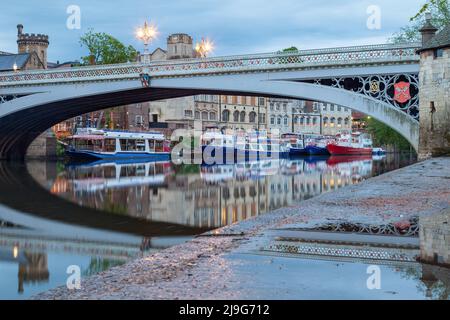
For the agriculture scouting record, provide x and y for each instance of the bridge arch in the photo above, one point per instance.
(23, 119)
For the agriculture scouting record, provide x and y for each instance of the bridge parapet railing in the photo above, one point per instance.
(373, 54)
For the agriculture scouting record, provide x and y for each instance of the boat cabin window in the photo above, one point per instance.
(88, 144)
(159, 146)
(140, 145)
(151, 144)
(132, 145)
(110, 145)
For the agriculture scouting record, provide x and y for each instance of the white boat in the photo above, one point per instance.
(114, 145)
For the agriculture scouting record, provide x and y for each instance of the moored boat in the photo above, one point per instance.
(93, 144)
(355, 143)
(378, 151)
(317, 145)
(294, 143)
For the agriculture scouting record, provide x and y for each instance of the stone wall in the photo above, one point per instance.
(435, 238)
(434, 87)
(43, 146)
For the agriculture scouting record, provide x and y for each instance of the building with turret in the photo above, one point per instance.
(33, 43)
(434, 91)
(32, 52)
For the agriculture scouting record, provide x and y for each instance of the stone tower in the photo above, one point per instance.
(434, 91)
(28, 43)
(179, 46)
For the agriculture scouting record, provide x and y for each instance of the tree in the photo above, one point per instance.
(291, 49)
(440, 10)
(386, 136)
(105, 49)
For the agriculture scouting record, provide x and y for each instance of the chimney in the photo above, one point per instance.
(19, 29)
(428, 30)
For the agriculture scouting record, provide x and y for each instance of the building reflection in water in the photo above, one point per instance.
(32, 266)
(205, 196)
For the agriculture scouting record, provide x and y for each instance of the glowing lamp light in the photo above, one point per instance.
(204, 47)
(15, 67)
(146, 34)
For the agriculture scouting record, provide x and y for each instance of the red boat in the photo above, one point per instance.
(354, 144)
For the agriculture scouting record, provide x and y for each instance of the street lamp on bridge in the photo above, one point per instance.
(204, 48)
(146, 33)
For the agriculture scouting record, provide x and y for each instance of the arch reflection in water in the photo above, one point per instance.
(206, 196)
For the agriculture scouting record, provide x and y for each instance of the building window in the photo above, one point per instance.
(438, 53)
(339, 121)
(285, 121)
(188, 113)
(197, 115)
(138, 120)
(242, 116)
(252, 117)
(261, 101)
(284, 107)
(339, 108)
(332, 107)
(262, 118)
(302, 120)
(308, 121)
(204, 115)
(314, 121)
(346, 121)
(279, 120)
(225, 115)
(325, 121)
(236, 116)
(212, 116)
(272, 120)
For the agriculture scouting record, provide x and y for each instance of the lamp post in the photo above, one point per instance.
(146, 34)
(203, 48)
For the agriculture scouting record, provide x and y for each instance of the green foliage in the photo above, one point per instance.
(98, 264)
(291, 49)
(105, 49)
(383, 135)
(440, 10)
(187, 169)
(60, 149)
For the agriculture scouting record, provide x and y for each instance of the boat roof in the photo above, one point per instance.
(91, 133)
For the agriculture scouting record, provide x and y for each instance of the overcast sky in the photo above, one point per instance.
(235, 26)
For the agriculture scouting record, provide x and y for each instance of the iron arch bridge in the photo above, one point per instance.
(378, 80)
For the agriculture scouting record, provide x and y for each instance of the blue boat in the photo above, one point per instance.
(93, 144)
(316, 150)
(294, 143)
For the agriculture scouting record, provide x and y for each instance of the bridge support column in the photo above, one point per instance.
(434, 96)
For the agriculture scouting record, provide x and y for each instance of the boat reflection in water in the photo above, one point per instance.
(205, 196)
(102, 214)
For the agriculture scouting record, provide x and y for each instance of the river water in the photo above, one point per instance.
(54, 215)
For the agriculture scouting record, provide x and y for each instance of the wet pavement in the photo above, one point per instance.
(281, 255)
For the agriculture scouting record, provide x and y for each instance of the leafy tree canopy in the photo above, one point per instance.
(385, 136)
(440, 10)
(290, 49)
(105, 49)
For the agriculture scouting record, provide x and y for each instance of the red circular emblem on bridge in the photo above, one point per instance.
(401, 92)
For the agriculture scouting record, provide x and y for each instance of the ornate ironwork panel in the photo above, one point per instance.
(400, 91)
(6, 98)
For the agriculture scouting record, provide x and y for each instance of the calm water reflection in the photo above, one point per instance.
(99, 215)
